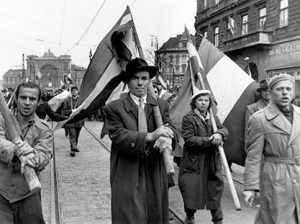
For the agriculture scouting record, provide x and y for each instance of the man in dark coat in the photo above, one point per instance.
(138, 178)
(74, 128)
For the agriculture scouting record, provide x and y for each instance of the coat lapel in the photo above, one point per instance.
(274, 115)
(130, 106)
(295, 127)
(149, 106)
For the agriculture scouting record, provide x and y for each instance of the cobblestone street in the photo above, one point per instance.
(84, 190)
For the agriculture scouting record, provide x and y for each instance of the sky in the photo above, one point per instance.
(73, 27)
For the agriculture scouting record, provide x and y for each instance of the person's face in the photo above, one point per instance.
(139, 83)
(74, 92)
(27, 101)
(265, 94)
(202, 103)
(282, 93)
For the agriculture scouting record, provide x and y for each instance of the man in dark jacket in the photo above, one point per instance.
(44, 110)
(74, 128)
(138, 177)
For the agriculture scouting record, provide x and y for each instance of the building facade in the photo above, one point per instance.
(12, 78)
(48, 71)
(173, 59)
(261, 36)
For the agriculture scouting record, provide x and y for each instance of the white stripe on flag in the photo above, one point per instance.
(56, 101)
(127, 18)
(112, 71)
(229, 88)
(130, 43)
(193, 52)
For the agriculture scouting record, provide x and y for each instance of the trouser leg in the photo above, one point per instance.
(29, 210)
(72, 138)
(217, 215)
(6, 211)
(78, 129)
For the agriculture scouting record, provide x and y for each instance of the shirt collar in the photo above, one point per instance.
(137, 99)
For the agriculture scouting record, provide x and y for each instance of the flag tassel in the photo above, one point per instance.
(223, 157)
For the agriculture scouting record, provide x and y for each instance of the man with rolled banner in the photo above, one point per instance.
(17, 203)
(138, 176)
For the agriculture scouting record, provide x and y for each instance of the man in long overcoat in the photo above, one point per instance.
(273, 156)
(138, 178)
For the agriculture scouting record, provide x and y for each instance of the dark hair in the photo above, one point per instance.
(29, 85)
(193, 104)
(74, 87)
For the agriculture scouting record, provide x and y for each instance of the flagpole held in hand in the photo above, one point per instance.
(32, 180)
(169, 165)
(223, 157)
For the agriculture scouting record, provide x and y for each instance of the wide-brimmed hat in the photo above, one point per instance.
(263, 86)
(200, 92)
(137, 65)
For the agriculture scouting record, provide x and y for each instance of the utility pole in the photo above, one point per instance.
(23, 68)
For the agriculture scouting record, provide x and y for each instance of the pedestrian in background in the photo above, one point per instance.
(200, 174)
(73, 129)
(263, 100)
(138, 178)
(17, 203)
(273, 157)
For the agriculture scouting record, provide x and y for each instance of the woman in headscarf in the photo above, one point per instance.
(200, 176)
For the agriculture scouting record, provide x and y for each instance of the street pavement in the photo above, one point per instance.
(84, 191)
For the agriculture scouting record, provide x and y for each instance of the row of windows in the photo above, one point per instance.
(233, 30)
(177, 58)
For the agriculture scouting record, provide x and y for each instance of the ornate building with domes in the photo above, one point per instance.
(48, 71)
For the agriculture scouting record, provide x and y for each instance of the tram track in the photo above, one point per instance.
(176, 217)
(55, 213)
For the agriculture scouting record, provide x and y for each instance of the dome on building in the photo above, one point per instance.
(48, 54)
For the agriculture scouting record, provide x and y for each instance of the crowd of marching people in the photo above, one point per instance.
(143, 136)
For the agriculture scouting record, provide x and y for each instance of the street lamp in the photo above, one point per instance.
(246, 59)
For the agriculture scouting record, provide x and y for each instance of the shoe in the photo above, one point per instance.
(72, 153)
(190, 220)
(75, 150)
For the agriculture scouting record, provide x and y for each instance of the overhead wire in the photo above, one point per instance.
(62, 25)
(87, 29)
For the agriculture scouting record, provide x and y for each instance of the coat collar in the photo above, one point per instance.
(131, 107)
(274, 115)
(295, 127)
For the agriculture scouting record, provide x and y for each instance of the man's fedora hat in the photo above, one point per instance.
(263, 86)
(137, 65)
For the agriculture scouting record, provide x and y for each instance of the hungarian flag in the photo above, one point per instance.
(104, 73)
(232, 89)
(57, 100)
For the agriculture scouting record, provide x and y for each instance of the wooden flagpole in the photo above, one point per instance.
(158, 118)
(29, 173)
